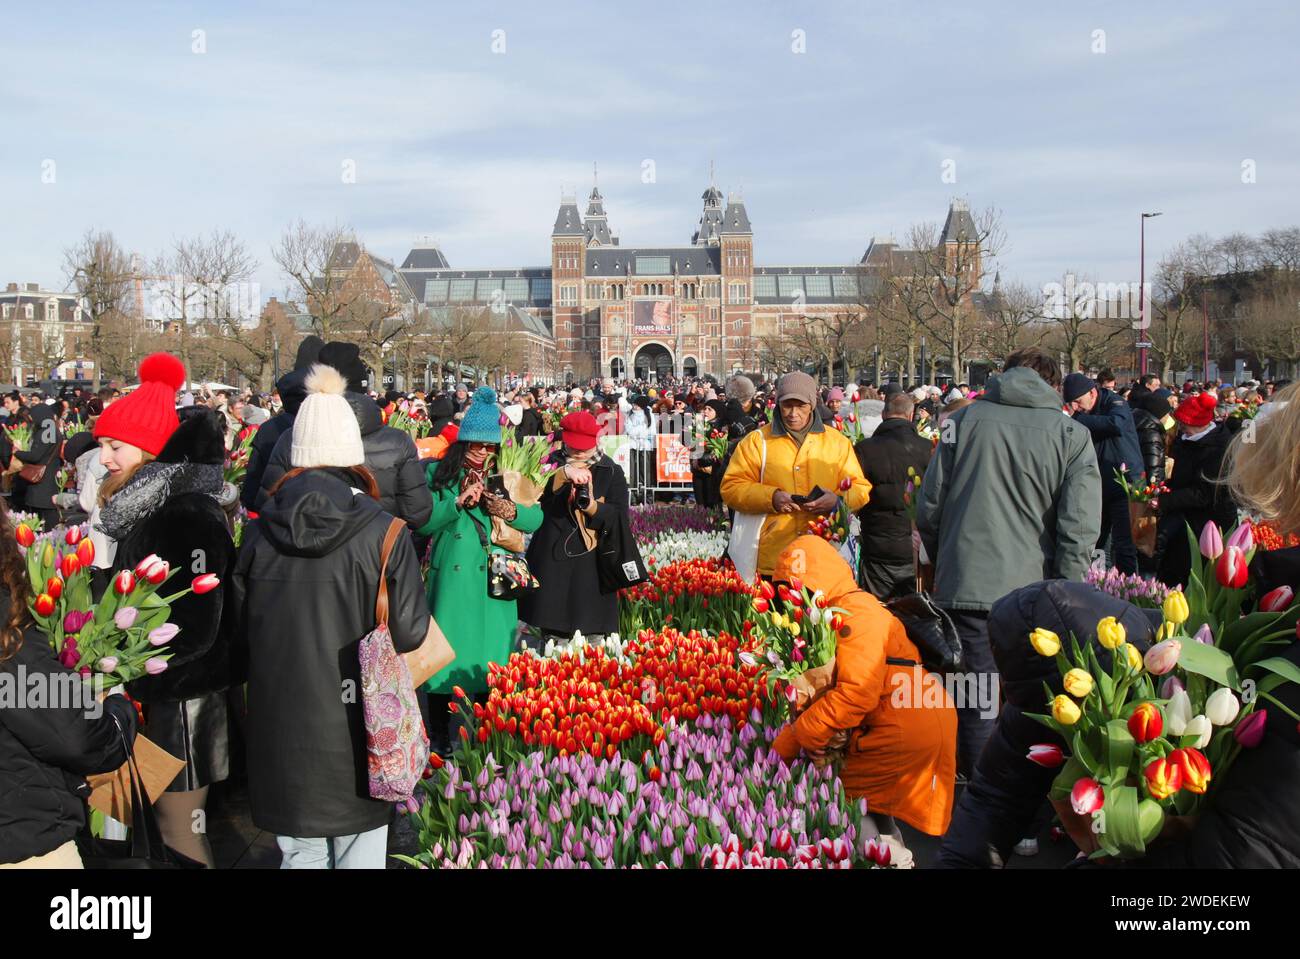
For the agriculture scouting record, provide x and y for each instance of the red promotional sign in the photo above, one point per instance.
(672, 459)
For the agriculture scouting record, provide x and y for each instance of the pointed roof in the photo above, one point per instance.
(959, 227)
(568, 221)
(734, 218)
(425, 254)
(709, 231)
(597, 224)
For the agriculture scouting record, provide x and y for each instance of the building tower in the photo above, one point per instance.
(568, 242)
(736, 239)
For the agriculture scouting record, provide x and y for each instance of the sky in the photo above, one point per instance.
(836, 122)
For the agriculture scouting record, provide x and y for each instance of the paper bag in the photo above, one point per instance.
(110, 793)
(1143, 523)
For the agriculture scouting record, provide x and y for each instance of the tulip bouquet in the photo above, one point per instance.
(237, 459)
(524, 457)
(680, 547)
(713, 794)
(20, 435)
(1124, 733)
(797, 643)
(412, 424)
(1138, 492)
(33, 522)
(704, 594)
(849, 426)
(121, 637)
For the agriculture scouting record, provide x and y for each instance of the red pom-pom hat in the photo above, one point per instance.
(1197, 411)
(146, 417)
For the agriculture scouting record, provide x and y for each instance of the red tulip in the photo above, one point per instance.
(796, 584)
(72, 536)
(205, 583)
(69, 565)
(436, 761)
(846, 484)
(44, 604)
(1047, 755)
(142, 567)
(123, 583)
(1146, 723)
(760, 606)
(766, 590)
(1164, 777)
(86, 552)
(156, 573)
(24, 535)
(1230, 570)
(1277, 600)
(1087, 796)
(1193, 767)
(54, 586)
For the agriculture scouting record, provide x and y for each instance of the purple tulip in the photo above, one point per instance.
(1205, 635)
(1243, 537)
(1171, 685)
(1250, 731)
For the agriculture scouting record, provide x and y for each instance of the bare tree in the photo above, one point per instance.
(101, 273)
(1268, 322)
(1012, 319)
(948, 273)
(1280, 249)
(306, 254)
(1075, 330)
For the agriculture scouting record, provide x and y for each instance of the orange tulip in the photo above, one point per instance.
(1163, 778)
(1194, 767)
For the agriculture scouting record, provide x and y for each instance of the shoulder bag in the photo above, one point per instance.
(746, 531)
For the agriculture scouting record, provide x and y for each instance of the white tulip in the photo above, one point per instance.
(1222, 707)
(1178, 713)
(1199, 726)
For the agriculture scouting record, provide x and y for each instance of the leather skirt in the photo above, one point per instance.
(196, 730)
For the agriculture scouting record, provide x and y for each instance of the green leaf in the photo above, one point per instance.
(1123, 824)
(1084, 754)
(1070, 773)
(1118, 748)
(1209, 661)
(1282, 667)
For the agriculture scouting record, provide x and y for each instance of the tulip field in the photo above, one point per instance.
(650, 751)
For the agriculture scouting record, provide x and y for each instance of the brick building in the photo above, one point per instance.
(701, 307)
(43, 335)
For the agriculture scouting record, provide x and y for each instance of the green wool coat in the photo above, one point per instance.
(481, 630)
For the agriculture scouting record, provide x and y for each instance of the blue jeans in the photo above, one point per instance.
(366, 850)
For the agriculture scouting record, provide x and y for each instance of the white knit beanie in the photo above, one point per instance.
(325, 431)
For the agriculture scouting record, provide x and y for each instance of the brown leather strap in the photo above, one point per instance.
(390, 540)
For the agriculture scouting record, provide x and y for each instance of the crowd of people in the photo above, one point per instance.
(976, 496)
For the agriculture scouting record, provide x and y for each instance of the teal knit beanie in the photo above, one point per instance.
(482, 421)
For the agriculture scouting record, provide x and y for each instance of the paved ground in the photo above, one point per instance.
(238, 844)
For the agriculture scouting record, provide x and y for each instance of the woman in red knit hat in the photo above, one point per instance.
(1195, 495)
(160, 500)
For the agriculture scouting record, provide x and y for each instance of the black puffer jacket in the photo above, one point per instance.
(293, 390)
(1151, 441)
(997, 809)
(390, 455)
(309, 575)
(190, 532)
(48, 747)
(885, 457)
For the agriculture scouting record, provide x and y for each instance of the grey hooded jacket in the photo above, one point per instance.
(1012, 496)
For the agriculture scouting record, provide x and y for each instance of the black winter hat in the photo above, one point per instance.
(346, 358)
(1075, 385)
(308, 352)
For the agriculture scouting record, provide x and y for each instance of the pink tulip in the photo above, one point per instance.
(164, 634)
(125, 617)
(1047, 755)
(1171, 685)
(1243, 537)
(1277, 600)
(1250, 731)
(153, 665)
(1087, 796)
(108, 664)
(1211, 541)
(878, 851)
(1162, 657)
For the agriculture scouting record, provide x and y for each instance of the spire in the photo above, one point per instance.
(568, 221)
(734, 218)
(707, 233)
(959, 227)
(597, 224)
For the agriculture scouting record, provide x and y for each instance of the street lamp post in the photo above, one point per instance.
(1142, 294)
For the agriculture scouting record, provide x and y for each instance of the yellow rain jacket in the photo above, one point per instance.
(825, 458)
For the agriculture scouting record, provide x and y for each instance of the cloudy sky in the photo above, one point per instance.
(837, 121)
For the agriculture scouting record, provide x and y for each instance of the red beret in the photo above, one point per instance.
(580, 430)
(1198, 411)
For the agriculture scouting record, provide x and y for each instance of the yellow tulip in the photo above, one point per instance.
(1133, 656)
(1046, 642)
(1078, 683)
(1065, 710)
(794, 629)
(1175, 608)
(1111, 633)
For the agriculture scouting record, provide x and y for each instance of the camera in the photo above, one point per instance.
(582, 498)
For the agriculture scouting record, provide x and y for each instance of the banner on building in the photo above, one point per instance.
(652, 318)
(672, 459)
